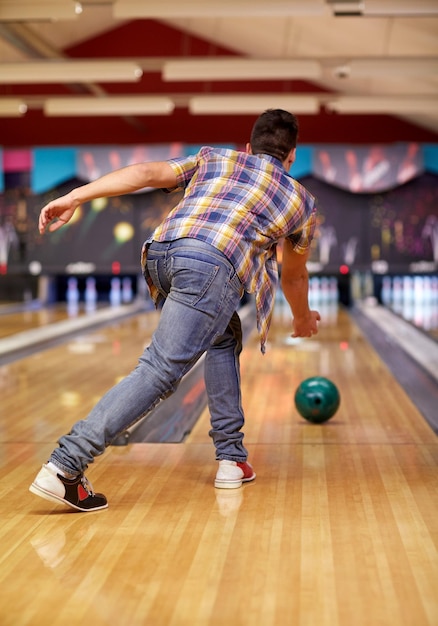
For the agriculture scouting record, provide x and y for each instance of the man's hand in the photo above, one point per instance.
(306, 326)
(61, 210)
(295, 283)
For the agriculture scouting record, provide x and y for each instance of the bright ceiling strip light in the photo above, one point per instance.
(347, 8)
(217, 8)
(383, 105)
(39, 10)
(251, 104)
(40, 72)
(400, 8)
(384, 8)
(12, 107)
(373, 68)
(240, 69)
(112, 105)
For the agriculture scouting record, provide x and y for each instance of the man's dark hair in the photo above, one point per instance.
(275, 133)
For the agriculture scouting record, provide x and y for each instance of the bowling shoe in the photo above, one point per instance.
(76, 493)
(231, 475)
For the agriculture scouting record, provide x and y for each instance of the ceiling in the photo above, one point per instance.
(383, 52)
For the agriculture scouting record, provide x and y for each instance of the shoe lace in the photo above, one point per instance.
(87, 486)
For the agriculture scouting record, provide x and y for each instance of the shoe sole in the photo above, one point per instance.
(42, 493)
(232, 484)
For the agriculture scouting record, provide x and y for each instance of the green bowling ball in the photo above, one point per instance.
(317, 399)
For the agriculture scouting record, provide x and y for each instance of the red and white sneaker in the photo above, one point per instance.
(231, 475)
(74, 492)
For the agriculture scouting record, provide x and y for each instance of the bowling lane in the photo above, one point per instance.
(50, 389)
(374, 407)
(36, 316)
(338, 528)
(414, 298)
(52, 325)
(80, 303)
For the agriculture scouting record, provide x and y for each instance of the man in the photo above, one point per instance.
(219, 241)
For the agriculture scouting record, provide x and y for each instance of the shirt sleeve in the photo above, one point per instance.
(302, 238)
(186, 167)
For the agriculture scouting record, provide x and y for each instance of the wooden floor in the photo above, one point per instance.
(31, 318)
(340, 528)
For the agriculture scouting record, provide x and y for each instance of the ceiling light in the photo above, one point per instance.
(12, 107)
(240, 69)
(217, 8)
(384, 105)
(400, 8)
(40, 72)
(380, 8)
(251, 104)
(372, 68)
(111, 105)
(347, 8)
(41, 10)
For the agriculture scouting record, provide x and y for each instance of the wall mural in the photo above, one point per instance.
(388, 231)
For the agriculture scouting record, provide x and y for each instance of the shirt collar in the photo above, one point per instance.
(271, 159)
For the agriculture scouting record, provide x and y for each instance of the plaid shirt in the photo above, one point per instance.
(242, 205)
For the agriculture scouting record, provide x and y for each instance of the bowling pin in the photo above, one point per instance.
(311, 296)
(324, 290)
(126, 290)
(386, 291)
(333, 290)
(397, 294)
(115, 292)
(72, 297)
(279, 303)
(90, 294)
(408, 303)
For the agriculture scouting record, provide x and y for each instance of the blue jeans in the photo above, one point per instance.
(202, 294)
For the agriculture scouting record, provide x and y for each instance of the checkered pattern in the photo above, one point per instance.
(242, 205)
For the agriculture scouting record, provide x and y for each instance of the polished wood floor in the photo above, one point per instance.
(31, 318)
(340, 528)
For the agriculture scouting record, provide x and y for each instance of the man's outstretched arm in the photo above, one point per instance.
(157, 174)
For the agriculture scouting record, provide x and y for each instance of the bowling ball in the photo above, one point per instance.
(317, 399)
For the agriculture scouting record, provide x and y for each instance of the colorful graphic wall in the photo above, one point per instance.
(378, 208)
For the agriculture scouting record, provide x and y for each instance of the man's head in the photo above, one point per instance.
(275, 133)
